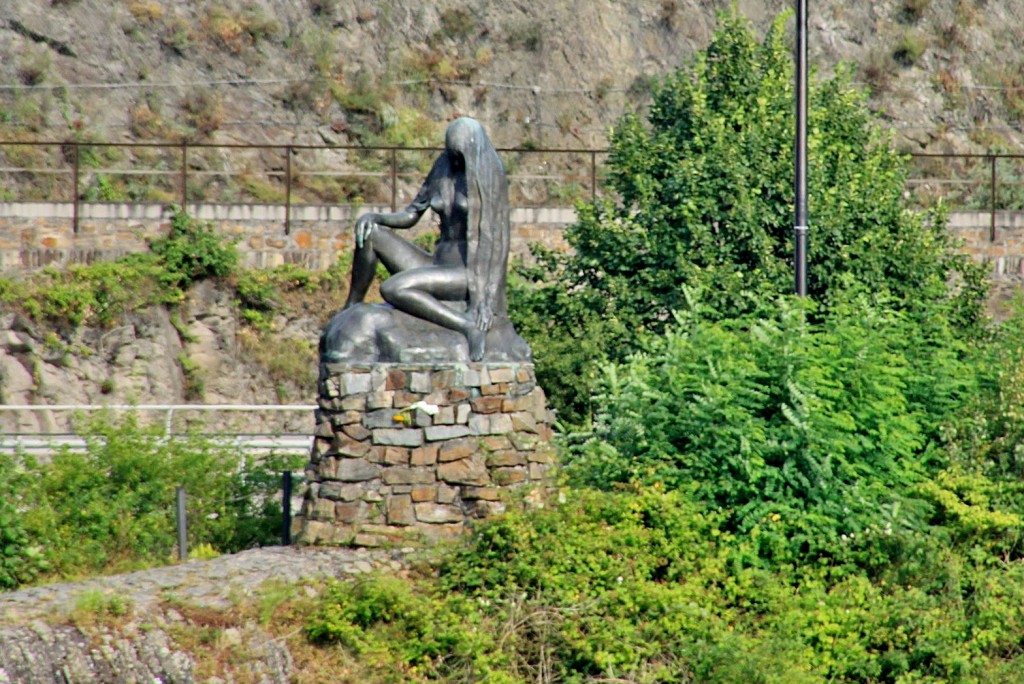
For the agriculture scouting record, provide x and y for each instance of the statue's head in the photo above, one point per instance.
(464, 135)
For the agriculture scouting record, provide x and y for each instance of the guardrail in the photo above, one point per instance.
(43, 441)
(266, 174)
(320, 175)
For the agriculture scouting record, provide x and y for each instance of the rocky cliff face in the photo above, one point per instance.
(157, 356)
(943, 73)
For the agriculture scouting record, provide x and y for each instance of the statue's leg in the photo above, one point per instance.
(419, 292)
(397, 254)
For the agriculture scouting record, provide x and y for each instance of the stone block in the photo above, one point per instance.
(381, 418)
(370, 540)
(351, 511)
(354, 383)
(346, 418)
(356, 402)
(457, 449)
(402, 398)
(356, 431)
(491, 404)
(396, 456)
(494, 442)
(344, 445)
(466, 471)
(399, 475)
(430, 512)
(483, 508)
(539, 471)
(489, 390)
(420, 381)
(445, 415)
(442, 379)
(355, 470)
(399, 510)
(409, 437)
(320, 447)
(323, 509)
(540, 456)
(462, 413)
(472, 377)
(509, 476)
(487, 493)
(421, 493)
(523, 422)
(446, 494)
(496, 424)
(340, 492)
(505, 458)
(423, 456)
(524, 374)
(437, 433)
(501, 423)
(395, 379)
(523, 442)
(379, 400)
(456, 395)
(423, 419)
(324, 429)
(501, 374)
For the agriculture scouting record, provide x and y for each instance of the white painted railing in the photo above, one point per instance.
(39, 441)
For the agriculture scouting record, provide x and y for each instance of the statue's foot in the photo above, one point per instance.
(477, 341)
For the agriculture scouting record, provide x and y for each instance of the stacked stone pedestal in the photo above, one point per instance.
(405, 451)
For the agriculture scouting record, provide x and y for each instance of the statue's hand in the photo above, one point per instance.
(482, 316)
(364, 227)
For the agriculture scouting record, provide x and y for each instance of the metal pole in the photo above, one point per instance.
(800, 152)
(992, 214)
(182, 525)
(184, 174)
(288, 190)
(286, 508)
(394, 180)
(593, 175)
(74, 187)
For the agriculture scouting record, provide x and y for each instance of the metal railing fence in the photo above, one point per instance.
(245, 441)
(81, 172)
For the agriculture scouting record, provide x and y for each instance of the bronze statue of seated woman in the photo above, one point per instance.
(460, 288)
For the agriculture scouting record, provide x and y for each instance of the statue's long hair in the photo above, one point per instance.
(488, 216)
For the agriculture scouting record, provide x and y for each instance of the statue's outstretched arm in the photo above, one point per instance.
(405, 218)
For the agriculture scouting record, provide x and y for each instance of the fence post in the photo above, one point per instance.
(286, 508)
(74, 187)
(182, 524)
(992, 215)
(184, 174)
(288, 190)
(593, 175)
(394, 179)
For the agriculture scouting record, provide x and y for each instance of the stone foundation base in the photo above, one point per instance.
(406, 451)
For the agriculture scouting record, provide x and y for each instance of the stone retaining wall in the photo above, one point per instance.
(418, 451)
(33, 235)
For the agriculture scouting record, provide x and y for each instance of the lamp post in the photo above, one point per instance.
(800, 152)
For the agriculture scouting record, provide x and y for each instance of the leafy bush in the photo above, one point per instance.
(111, 507)
(193, 251)
(706, 202)
(20, 559)
(646, 586)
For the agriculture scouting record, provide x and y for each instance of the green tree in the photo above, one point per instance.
(705, 200)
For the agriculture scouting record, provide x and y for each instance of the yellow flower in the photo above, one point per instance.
(776, 517)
